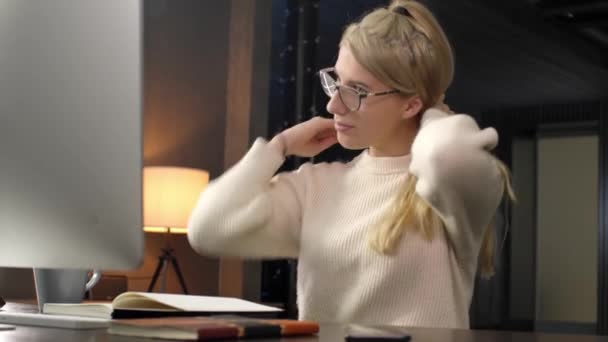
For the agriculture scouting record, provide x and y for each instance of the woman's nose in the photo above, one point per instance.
(335, 105)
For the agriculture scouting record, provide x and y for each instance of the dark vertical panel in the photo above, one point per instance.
(246, 117)
(602, 295)
(258, 125)
(308, 11)
(283, 61)
(523, 232)
(239, 80)
(238, 109)
(276, 283)
(261, 70)
(306, 67)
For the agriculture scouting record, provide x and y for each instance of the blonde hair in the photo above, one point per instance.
(410, 52)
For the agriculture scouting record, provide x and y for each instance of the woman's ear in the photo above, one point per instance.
(412, 107)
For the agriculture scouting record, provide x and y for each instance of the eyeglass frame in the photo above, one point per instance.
(361, 94)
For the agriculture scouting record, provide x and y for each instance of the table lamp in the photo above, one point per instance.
(170, 194)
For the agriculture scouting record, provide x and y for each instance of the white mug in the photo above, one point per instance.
(63, 285)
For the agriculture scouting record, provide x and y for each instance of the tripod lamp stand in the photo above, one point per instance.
(170, 194)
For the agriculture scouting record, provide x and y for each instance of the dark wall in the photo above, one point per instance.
(186, 50)
(185, 72)
(507, 54)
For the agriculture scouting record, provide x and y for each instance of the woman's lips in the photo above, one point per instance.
(342, 127)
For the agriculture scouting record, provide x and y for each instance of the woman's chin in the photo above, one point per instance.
(349, 143)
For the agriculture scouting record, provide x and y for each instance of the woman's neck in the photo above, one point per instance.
(397, 151)
(399, 144)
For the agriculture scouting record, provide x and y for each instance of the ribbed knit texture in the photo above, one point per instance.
(322, 215)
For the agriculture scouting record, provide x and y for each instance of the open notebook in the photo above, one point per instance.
(147, 305)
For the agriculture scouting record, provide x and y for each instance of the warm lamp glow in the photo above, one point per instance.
(170, 194)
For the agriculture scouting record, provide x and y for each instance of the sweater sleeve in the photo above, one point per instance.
(247, 212)
(458, 176)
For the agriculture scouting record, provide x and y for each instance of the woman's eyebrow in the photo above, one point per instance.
(352, 82)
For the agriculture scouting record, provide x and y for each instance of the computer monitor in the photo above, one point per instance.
(71, 134)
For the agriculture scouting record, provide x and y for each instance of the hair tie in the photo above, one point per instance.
(402, 10)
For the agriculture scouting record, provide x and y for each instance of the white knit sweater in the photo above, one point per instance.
(321, 214)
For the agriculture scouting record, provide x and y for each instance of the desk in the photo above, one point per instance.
(329, 333)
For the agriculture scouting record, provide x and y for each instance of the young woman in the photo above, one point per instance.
(394, 236)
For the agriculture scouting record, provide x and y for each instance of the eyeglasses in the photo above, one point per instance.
(350, 97)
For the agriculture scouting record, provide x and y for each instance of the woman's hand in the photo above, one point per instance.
(308, 138)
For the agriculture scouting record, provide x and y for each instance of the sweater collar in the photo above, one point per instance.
(383, 165)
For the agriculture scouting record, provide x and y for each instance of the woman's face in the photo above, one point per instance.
(381, 122)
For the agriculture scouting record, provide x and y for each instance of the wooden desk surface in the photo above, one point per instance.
(328, 333)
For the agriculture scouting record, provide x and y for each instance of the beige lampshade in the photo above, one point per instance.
(170, 194)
